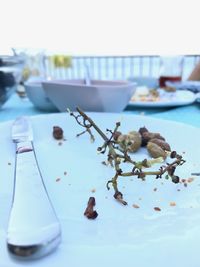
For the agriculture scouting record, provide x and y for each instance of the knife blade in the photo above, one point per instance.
(33, 228)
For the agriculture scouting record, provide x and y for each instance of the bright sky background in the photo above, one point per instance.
(99, 27)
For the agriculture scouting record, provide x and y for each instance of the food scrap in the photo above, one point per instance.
(172, 204)
(57, 132)
(119, 147)
(157, 209)
(90, 213)
(146, 94)
(190, 180)
(135, 206)
(93, 190)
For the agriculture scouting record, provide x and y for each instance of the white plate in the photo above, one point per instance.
(121, 235)
(168, 99)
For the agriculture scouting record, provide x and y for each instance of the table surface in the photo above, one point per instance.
(189, 114)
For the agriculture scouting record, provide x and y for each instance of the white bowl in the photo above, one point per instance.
(100, 96)
(37, 96)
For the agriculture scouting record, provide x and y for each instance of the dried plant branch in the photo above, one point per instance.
(116, 155)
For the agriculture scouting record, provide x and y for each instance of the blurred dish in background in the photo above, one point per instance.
(100, 95)
(37, 95)
(146, 97)
(149, 94)
(10, 76)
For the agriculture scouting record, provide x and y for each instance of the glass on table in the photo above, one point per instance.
(171, 69)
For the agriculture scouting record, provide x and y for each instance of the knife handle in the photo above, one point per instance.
(33, 228)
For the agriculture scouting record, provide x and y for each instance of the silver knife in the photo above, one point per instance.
(33, 228)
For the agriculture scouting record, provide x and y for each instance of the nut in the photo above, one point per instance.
(163, 144)
(130, 142)
(155, 150)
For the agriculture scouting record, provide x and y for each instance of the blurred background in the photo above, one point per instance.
(102, 39)
(101, 27)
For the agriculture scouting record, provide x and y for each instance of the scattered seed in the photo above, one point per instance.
(58, 179)
(190, 180)
(157, 209)
(93, 190)
(172, 204)
(155, 189)
(135, 206)
(9, 163)
(65, 173)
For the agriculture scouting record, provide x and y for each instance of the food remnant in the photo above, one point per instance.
(156, 151)
(190, 180)
(130, 142)
(93, 190)
(57, 132)
(118, 147)
(157, 209)
(146, 94)
(136, 206)
(172, 204)
(90, 213)
(147, 136)
(163, 144)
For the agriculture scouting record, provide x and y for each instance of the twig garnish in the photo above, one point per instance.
(117, 154)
